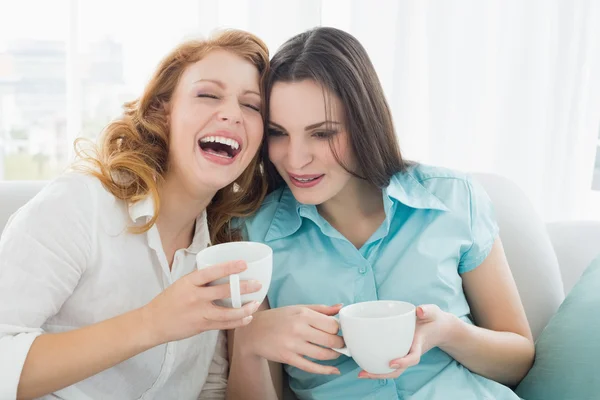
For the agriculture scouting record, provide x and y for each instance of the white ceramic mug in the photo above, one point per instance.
(258, 257)
(377, 332)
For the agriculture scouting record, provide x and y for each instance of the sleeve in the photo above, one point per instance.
(216, 383)
(43, 252)
(483, 228)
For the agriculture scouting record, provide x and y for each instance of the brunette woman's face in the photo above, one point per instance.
(305, 122)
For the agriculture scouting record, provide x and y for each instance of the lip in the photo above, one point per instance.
(294, 180)
(215, 158)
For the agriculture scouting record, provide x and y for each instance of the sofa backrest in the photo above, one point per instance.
(528, 248)
(14, 194)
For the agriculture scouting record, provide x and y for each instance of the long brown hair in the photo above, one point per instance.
(338, 62)
(132, 155)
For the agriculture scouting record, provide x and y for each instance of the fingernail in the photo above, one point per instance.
(247, 319)
(337, 372)
(395, 366)
(338, 305)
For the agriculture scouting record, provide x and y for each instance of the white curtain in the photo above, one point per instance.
(510, 87)
(504, 86)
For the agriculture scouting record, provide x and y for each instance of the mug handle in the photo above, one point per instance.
(344, 350)
(234, 286)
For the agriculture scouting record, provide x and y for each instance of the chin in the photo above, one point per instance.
(218, 185)
(202, 182)
(308, 198)
(217, 178)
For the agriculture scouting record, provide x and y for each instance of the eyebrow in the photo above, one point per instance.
(222, 85)
(326, 122)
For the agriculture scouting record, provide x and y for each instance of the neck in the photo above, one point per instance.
(179, 209)
(360, 200)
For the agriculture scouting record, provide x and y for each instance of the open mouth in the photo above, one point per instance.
(220, 146)
(305, 181)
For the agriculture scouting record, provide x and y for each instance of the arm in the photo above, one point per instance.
(285, 335)
(251, 376)
(500, 347)
(41, 263)
(40, 266)
(55, 361)
(185, 309)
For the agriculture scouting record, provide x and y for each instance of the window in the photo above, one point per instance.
(67, 69)
(32, 89)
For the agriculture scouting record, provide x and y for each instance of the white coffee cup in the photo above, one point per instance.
(377, 332)
(258, 257)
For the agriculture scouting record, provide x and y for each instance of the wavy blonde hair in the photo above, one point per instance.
(131, 157)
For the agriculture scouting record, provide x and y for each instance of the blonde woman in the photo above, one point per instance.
(99, 296)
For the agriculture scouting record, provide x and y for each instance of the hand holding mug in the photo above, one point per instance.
(289, 334)
(259, 261)
(376, 331)
(187, 308)
(432, 326)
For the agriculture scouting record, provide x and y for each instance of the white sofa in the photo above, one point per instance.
(546, 260)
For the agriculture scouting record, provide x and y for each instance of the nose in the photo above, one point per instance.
(298, 153)
(230, 112)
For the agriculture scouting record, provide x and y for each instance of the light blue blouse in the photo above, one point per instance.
(439, 224)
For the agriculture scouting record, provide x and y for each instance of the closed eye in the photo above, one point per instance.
(253, 107)
(207, 95)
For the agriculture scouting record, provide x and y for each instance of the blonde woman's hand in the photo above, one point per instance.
(186, 307)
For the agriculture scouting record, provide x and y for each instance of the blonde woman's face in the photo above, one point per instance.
(215, 121)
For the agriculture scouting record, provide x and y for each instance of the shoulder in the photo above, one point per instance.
(82, 189)
(69, 197)
(62, 193)
(433, 177)
(454, 188)
(427, 186)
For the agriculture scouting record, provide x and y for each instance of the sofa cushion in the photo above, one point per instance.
(568, 350)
